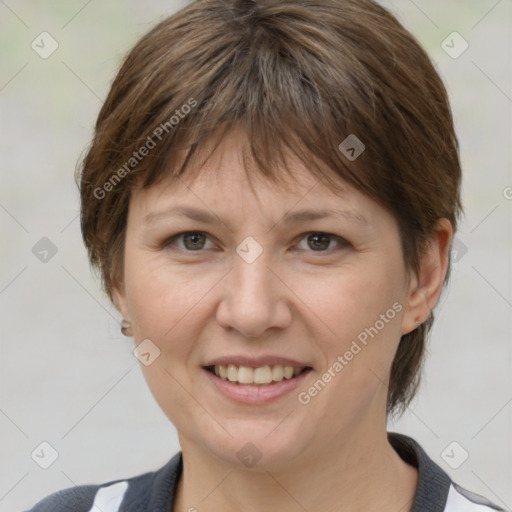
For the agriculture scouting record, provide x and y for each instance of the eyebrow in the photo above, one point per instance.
(289, 218)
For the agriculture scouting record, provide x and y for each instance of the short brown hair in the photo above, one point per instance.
(298, 76)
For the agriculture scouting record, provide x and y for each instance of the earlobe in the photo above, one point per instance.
(425, 289)
(119, 296)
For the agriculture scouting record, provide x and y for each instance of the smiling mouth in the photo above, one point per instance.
(263, 375)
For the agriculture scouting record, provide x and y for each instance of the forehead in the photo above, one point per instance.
(229, 168)
(156, 208)
(227, 182)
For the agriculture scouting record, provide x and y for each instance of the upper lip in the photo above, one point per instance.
(256, 362)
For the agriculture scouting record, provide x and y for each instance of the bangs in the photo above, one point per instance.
(262, 83)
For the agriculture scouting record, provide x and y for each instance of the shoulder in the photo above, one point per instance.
(82, 498)
(462, 500)
(153, 490)
(436, 491)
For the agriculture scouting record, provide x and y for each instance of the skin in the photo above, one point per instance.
(295, 300)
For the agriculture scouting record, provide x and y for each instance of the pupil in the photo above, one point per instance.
(194, 238)
(324, 245)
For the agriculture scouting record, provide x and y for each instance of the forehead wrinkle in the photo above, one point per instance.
(288, 219)
(214, 163)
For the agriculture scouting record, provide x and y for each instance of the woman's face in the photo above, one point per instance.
(255, 283)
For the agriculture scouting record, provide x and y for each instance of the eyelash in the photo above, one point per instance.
(167, 244)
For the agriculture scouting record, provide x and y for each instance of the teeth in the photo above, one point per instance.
(232, 373)
(277, 373)
(288, 372)
(261, 375)
(245, 375)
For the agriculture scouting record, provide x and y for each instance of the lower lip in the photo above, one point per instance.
(256, 393)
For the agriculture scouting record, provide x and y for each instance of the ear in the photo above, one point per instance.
(424, 290)
(119, 295)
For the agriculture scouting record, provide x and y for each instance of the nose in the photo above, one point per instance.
(254, 298)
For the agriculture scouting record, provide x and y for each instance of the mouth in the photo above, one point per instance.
(267, 375)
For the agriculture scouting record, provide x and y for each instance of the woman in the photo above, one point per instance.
(270, 197)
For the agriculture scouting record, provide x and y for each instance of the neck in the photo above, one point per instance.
(354, 472)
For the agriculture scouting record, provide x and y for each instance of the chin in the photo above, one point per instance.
(258, 447)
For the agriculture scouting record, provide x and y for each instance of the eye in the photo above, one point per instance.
(320, 242)
(195, 241)
(192, 240)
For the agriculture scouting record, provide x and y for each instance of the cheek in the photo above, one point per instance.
(356, 320)
(164, 306)
(347, 302)
(167, 304)
(156, 295)
(357, 317)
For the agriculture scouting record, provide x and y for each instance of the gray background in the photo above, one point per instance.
(67, 375)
